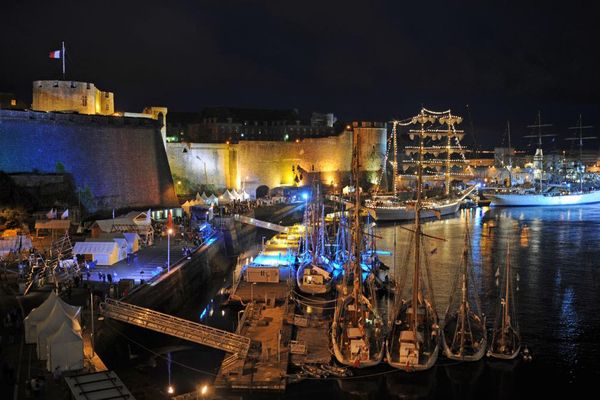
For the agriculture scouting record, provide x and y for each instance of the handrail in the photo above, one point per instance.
(176, 326)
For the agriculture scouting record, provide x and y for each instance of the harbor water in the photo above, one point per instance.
(556, 254)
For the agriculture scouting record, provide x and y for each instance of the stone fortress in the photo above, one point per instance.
(125, 159)
(116, 160)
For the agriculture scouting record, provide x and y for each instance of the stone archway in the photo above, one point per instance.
(262, 191)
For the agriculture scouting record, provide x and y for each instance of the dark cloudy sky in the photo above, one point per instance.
(359, 59)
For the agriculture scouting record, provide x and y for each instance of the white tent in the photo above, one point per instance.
(106, 253)
(213, 200)
(65, 349)
(53, 321)
(245, 195)
(186, 207)
(204, 196)
(38, 315)
(236, 195)
(226, 197)
(133, 241)
(198, 197)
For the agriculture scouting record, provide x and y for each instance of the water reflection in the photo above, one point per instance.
(556, 254)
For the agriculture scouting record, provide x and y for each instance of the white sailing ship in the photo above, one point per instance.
(550, 195)
(441, 139)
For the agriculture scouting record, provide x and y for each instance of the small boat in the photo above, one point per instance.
(506, 339)
(464, 335)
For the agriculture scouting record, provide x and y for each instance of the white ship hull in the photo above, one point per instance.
(400, 212)
(532, 199)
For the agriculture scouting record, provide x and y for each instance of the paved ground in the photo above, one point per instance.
(148, 262)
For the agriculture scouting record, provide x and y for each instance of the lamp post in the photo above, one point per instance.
(169, 232)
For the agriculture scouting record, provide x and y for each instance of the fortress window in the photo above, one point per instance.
(84, 101)
(13, 102)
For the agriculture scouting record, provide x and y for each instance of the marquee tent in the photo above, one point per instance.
(244, 195)
(51, 324)
(36, 316)
(226, 197)
(105, 253)
(65, 349)
(212, 200)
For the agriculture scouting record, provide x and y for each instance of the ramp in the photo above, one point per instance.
(178, 327)
(260, 224)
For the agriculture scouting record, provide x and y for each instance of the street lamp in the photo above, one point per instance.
(169, 232)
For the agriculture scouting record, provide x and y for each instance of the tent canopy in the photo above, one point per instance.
(36, 316)
(53, 321)
(65, 349)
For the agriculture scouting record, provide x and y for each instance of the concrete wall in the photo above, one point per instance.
(121, 161)
(250, 164)
(80, 97)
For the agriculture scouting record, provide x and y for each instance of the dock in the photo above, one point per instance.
(265, 367)
(315, 339)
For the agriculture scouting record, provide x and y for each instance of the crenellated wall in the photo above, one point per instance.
(73, 96)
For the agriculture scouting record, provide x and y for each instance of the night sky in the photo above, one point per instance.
(359, 59)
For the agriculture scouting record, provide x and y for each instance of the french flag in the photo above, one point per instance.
(55, 54)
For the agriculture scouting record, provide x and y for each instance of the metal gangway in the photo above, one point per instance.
(260, 224)
(146, 318)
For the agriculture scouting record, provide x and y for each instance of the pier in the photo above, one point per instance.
(266, 366)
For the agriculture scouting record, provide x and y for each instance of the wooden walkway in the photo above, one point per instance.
(266, 366)
(316, 337)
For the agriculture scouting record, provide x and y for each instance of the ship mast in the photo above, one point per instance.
(505, 314)
(510, 151)
(580, 138)
(539, 154)
(356, 231)
(395, 162)
(422, 119)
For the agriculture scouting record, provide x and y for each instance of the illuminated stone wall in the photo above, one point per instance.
(81, 97)
(249, 164)
(121, 161)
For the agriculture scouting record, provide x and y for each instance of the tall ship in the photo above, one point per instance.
(316, 272)
(357, 329)
(440, 138)
(464, 335)
(413, 341)
(545, 193)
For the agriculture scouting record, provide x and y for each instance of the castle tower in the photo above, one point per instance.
(72, 96)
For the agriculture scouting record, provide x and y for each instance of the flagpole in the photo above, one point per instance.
(64, 56)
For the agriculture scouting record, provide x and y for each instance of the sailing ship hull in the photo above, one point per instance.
(472, 357)
(337, 332)
(393, 347)
(402, 213)
(531, 200)
(477, 330)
